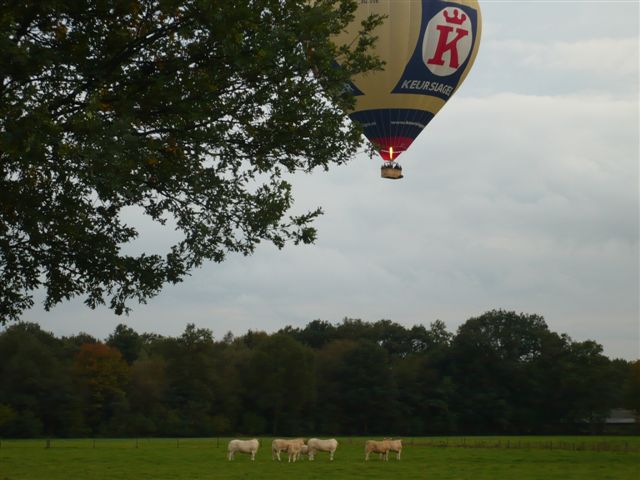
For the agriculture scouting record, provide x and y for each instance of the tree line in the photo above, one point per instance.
(502, 372)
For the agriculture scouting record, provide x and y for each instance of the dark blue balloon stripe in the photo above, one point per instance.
(389, 123)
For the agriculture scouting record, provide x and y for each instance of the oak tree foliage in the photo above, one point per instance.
(192, 113)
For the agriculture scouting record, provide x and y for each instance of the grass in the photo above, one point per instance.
(442, 458)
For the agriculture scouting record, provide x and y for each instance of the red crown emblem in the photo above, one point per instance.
(455, 19)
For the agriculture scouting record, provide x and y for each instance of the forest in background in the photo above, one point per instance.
(500, 373)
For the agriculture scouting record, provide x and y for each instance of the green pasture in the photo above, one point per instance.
(442, 458)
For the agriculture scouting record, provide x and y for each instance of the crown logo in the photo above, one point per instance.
(455, 18)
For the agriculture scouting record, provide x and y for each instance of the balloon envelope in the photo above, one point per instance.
(428, 47)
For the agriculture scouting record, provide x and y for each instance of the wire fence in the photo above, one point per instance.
(508, 443)
(576, 445)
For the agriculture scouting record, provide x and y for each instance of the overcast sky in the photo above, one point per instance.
(521, 194)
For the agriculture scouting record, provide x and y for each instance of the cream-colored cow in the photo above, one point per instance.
(377, 446)
(281, 444)
(395, 446)
(293, 451)
(317, 445)
(243, 446)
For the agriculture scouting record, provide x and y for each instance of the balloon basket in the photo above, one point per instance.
(393, 172)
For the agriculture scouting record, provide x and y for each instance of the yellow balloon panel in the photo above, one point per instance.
(428, 47)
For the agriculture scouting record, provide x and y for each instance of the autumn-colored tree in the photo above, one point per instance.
(102, 374)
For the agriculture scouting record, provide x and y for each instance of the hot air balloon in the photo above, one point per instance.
(428, 47)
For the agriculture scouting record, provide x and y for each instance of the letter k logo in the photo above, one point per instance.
(448, 40)
(445, 46)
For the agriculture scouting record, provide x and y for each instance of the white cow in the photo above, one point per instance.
(280, 444)
(317, 445)
(377, 446)
(243, 446)
(395, 446)
(293, 451)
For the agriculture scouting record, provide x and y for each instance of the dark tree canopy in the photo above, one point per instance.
(189, 111)
(321, 379)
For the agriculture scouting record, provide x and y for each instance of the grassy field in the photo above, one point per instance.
(477, 458)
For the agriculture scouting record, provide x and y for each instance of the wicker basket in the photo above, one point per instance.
(394, 173)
